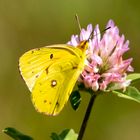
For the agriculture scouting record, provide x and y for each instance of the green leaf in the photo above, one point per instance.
(75, 99)
(71, 135)
(131, 93)
(15, 134)
(60, 136)
(67, 134)
(64, 133)
(133, 77)
(54, 136)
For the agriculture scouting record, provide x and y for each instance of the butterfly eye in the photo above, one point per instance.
(51, 56)
(53, 83)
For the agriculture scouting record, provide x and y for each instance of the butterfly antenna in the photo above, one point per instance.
(92, 33)
(102, 31)
(106, 29)
(78, 21)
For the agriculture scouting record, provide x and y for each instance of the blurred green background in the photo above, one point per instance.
(29, 24)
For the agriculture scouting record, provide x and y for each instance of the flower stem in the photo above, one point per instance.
(86, 118)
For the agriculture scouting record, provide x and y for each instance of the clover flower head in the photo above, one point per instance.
(105, 69)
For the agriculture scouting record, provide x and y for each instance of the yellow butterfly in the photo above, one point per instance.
(50, 73)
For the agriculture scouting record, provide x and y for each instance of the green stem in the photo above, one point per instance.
(86, 118)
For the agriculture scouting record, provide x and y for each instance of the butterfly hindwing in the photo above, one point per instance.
(53, 88)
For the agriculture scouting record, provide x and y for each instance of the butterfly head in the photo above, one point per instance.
(83, 45)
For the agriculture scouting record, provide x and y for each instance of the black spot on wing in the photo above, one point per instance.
(32, 52)
(46, 70)
(36, 76)
(45, 101)
(74, 67)
(53, 83)
(57, 103)
(51, 56)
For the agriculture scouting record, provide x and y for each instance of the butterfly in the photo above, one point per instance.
(50, 73)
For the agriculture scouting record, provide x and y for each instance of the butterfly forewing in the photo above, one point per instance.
(34, 62)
